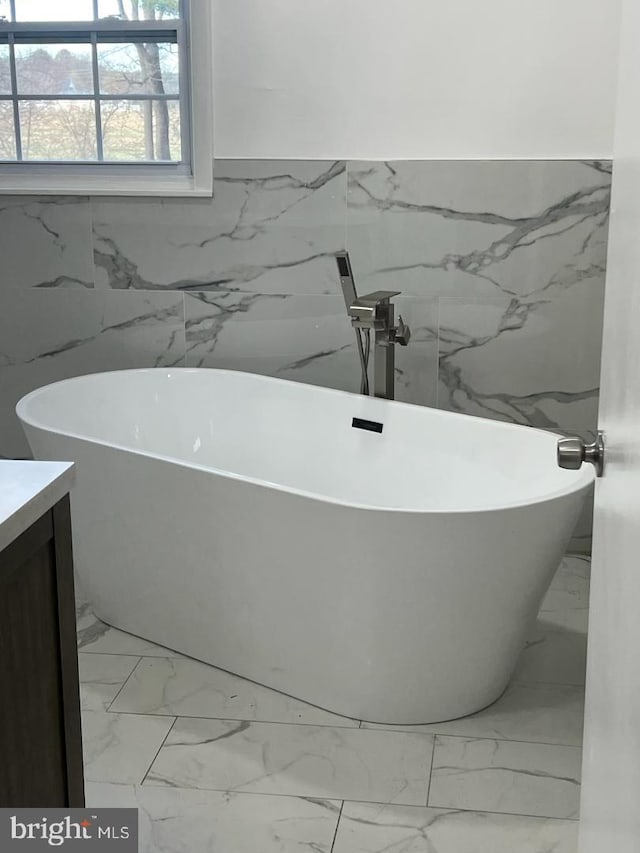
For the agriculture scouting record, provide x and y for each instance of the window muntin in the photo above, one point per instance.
(106, 90)
(5, 75)
(7, 132)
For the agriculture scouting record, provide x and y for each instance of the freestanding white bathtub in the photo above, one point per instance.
(245, 521)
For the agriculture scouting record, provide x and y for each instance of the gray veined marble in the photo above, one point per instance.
(478, 228)
(96, 637)
(310, 761)
(506, 776)
(306, 338)
(102, 677)
(120, 747)
(536, 364)
(366, 828)
(45, 242)
(52, 334)
(272, 227)
(184, 821)
(416, 364)
(516, 254)
(303, 337)
(188, 688)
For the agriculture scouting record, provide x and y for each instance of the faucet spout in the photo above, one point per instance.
(368, 312)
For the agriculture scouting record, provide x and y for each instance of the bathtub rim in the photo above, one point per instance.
(584, 477)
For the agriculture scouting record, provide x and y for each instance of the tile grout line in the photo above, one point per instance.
(335, 834)
(346, 205)
(417, 806)
(540, 684)
(437, 365)
(433, 754)
(489, 737)
(92, 242)
(253, 721)
(578, 686)
(175, 656)
(432, 734)
(184, 327)
(153, 760)
(124, 683)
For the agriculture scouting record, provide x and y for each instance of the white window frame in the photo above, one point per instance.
(112, 179)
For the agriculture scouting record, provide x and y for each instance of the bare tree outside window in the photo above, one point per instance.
(156, 112)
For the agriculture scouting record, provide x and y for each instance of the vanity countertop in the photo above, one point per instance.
(28, 490)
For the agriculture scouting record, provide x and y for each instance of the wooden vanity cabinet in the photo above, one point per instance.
(40, 733)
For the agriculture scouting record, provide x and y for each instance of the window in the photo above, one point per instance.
(97, 96)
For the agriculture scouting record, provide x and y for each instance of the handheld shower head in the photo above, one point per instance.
(363, 338)
(346, 279)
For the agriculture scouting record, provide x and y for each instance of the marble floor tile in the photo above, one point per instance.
(187, 688)
(183, 821)
(96, 637)
(566, 605)
(101, 677)
(366, 828)
(553, 656)
(505, 776)
(541, 713)
(305, 761)
(121, 747)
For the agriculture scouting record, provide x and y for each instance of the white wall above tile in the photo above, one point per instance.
(370, 79)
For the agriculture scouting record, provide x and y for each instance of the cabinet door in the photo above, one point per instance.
(40, 744)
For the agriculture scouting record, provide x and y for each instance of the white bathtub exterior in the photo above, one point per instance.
(242, 521)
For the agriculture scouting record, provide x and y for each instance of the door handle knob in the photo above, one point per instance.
(572, 452)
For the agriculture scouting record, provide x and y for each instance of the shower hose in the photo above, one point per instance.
(363, 338)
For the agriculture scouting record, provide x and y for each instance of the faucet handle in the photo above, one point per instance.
(402, 333)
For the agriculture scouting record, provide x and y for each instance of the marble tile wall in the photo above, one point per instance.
(501, 265)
